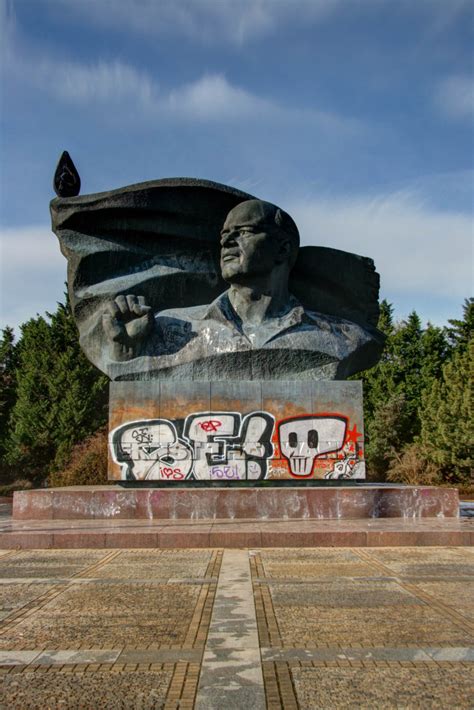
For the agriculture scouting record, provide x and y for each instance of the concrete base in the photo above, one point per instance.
(185, 431)
(180, 503)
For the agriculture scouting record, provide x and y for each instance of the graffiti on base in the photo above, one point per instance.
(302, 439)
(151, 450)
(212, 446)
(229, 446)
(350, 463)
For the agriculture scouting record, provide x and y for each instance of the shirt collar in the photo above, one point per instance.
(221, 310)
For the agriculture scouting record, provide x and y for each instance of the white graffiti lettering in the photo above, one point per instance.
(225, 439)
(150, 450)
(214, 445)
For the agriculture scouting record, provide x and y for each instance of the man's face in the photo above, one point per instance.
(249, 246)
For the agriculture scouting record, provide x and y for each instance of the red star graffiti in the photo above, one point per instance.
(352, 435)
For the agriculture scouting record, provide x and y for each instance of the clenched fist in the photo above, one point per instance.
(127, 322)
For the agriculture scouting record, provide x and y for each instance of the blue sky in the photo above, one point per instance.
(356, 116)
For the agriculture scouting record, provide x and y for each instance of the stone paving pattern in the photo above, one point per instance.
(206, 628)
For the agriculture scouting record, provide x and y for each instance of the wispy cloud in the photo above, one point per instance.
(416, 249)
(103, 82)
(454, 97)
(216, 21)
(239, 21)
(212, 97)
(131, 94)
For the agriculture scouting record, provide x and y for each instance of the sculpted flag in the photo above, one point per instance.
(160, 240)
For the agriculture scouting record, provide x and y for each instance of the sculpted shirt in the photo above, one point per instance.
(210, 342)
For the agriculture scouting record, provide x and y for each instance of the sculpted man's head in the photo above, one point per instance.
(257, 238)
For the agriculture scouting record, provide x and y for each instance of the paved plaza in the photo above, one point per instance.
(237, 628)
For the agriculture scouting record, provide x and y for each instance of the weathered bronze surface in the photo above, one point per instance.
(184, 278)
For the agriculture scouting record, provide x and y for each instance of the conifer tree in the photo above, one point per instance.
(377, 381)
(29, 445)
(392, 390)
(447, 433)
(411, 360)
(436, 349)
(61, 397)
(461, 331)
(8, 362)
(78, 392)
(407, 354)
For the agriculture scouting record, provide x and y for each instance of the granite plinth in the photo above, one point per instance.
(316, 503)
(237, 533)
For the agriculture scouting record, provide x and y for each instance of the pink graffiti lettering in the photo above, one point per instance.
(174, 473)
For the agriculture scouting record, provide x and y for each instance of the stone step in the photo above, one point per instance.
(128, 533)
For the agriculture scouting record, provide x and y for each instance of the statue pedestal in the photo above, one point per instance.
(235, 431)
(259, 504)
(177, 517)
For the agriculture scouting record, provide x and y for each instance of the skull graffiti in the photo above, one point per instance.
(303, 439)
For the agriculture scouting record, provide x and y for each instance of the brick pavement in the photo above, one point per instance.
(210, 628)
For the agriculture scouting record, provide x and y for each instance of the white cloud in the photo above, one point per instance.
(454, 97)
(32, 271)
(99, 82)
(130, 94)
(30, 243)
(212, 96)
(120, 86)
(416, 250)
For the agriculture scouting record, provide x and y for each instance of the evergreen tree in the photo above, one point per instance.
(412, 359)
(391, 391)
(385, 434)
(30, 446)
(435, 351)
(461, 331)
(78, 392)
(407, 354)
(61, 397)
(8, 362)
(447, 433)
(378, 380)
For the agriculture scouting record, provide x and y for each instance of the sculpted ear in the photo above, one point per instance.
(284, 251)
